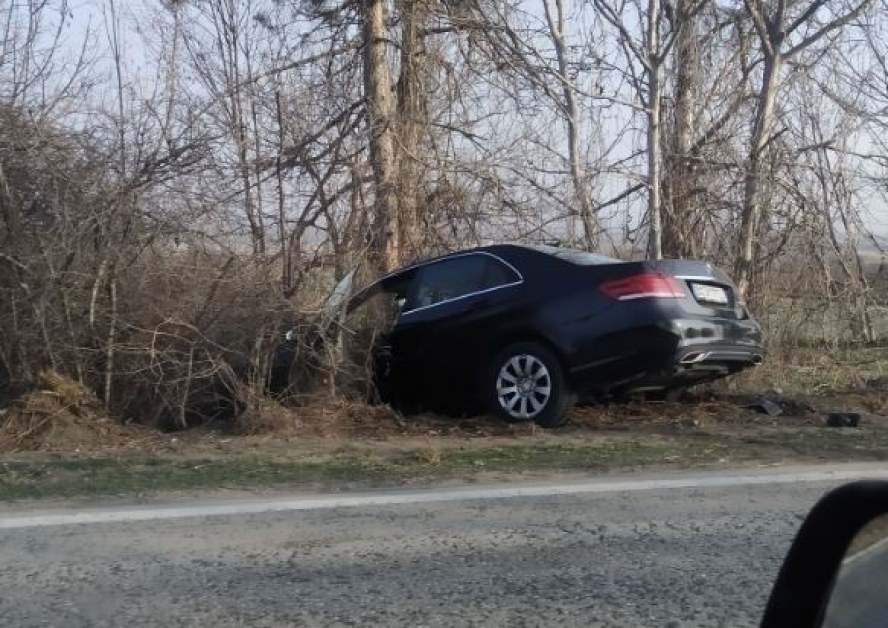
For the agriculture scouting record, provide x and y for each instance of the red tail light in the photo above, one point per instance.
(644, 285)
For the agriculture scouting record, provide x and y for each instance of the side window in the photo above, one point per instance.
(498, 274)
(457, 277)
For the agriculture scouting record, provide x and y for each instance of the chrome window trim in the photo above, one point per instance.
(464, 296)
(470, 294)
(700, 278)
(440, 258)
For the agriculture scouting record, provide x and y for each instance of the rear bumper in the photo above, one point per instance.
(728, 355)
(679, 352)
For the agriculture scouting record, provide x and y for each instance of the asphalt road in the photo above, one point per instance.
(640, 552)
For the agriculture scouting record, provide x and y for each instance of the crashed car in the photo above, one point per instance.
(527, 330)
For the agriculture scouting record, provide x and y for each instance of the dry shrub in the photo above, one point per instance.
(343, 417)
(182, 381)
(875, 403)
(268, 416)
(878, 383)
(430, 456)
(301, 367)
(323, 361)
(322, 417)
(355, 371)
(62, 414)
(873, 394)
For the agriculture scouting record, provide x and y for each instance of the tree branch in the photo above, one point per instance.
(760, 27)
(835, 24)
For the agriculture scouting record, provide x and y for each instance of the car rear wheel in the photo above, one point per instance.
(525, 382)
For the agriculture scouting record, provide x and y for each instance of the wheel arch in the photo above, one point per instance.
(524, 335)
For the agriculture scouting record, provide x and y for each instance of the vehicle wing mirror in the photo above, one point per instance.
(860, 591)
(836, 571)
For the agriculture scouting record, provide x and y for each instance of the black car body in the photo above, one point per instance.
(592, 325)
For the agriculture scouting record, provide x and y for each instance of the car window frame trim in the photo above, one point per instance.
(702, 278)
(467, 295)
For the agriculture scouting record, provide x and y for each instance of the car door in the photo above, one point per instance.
(451, 305)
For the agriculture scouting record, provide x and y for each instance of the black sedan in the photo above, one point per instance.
(527, 330)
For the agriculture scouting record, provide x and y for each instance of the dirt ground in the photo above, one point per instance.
(63, 416)
(57, 442)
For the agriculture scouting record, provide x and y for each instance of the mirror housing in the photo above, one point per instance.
(802, 591)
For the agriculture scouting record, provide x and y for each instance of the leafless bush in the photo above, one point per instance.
(167, 335)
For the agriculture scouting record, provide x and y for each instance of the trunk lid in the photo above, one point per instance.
(710, 291)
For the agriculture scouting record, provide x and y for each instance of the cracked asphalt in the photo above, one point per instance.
(676, 557)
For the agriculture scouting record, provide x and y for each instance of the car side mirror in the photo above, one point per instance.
(836, 571)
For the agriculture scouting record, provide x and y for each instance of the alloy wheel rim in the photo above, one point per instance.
(523, 386)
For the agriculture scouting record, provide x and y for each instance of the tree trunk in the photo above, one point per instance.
(654, 76)
(679, 210)
(384, 244)
(752, 207)
(110, 347)
(555, 19)
(412, 117)
(286, 261)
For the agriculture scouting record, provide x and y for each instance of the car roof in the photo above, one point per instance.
(493, 249)
(504, 250)
(507, 252)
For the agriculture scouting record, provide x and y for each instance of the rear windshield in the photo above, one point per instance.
(580, 258)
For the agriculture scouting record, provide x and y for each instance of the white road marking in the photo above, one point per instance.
(391, 498)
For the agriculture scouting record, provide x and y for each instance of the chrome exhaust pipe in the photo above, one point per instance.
(694, 357)
(757, 358)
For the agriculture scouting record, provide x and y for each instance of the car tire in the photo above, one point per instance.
(540, 392)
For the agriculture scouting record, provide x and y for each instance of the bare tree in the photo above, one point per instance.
(650, 49)
(555, 19)
(220, 53)
(785, 30)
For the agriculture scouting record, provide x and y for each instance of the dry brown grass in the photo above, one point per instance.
(331, 418)
(321, 417)
(267, 416)
(61, 414)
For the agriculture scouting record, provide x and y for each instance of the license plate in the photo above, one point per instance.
(710, 294)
